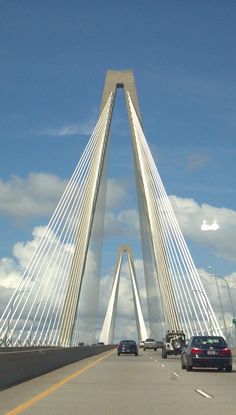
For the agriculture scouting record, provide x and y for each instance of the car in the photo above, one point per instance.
(141, 344)
(174, 343)
(150, 344)
(206, 351)
(127, 347)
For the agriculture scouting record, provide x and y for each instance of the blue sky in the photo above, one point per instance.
(54, 57)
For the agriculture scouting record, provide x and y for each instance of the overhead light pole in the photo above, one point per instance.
(221, 305)
(231, 305)
(217, 277)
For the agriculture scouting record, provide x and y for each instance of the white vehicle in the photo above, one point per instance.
(150, 344)
(174, 343)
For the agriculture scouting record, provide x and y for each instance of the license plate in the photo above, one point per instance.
(211, 352)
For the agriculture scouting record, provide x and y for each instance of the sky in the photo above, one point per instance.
(53, 60)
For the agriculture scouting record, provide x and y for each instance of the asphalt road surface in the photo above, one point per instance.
(110, 385)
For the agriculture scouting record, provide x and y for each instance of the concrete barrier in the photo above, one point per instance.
(18, 365)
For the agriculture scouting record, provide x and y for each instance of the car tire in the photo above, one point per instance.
(118, 354)
(164, 354)
(136, 354)
(144, 349)
(183, 365)
(228, 368)
(189, 367)
(176, 344)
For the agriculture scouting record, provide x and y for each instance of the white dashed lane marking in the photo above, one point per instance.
(204, 394)
(176, 374)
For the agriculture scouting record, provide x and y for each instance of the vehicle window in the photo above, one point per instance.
(209, 341)
(128, 342)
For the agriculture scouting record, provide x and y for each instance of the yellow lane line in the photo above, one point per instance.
(56, 386)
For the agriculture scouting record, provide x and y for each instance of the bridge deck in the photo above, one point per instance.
(108, 384)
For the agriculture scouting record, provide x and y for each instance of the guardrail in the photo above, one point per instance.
(17, 364)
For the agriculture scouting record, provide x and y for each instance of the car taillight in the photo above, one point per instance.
(225, 352)
(196, 350)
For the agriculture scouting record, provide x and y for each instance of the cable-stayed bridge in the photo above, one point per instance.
(45, 308)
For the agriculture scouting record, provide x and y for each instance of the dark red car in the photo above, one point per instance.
(127, 347)
(206, 351)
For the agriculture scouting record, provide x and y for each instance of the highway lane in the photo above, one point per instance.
(125, 385)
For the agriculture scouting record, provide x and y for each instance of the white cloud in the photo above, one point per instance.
(129, 218)
(38, 194)
(190, 216)
(126, 222)
(35, 195)
(116, 193)
(10, 273)
(11, 269)
(23, 251)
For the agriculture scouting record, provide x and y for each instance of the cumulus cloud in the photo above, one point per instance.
(11, 270)
(116, 193)
(129, 217)
(35, 195)
(191, 215)
(10, 275)
(126, 222)
(23, 251)
(38, 193)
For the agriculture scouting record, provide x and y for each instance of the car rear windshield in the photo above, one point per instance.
(128, 342)
(209, 342)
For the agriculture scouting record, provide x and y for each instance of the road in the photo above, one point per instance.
(127, 385)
